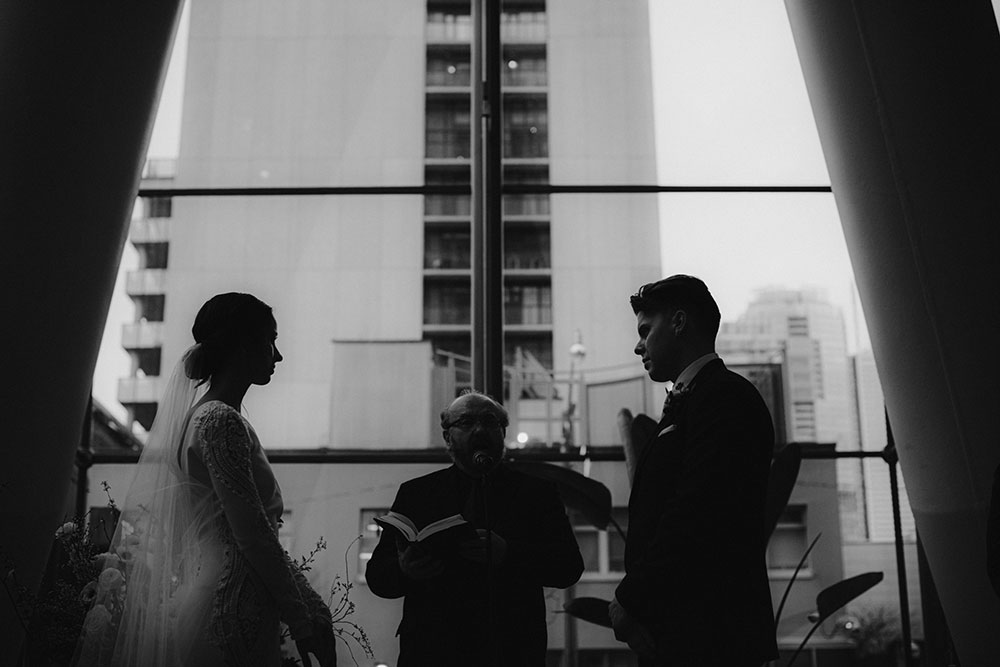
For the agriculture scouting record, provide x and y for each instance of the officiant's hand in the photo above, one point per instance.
(416, 564)
(475, 549)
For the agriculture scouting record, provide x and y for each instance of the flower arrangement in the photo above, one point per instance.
(84, 588)
(81, 586)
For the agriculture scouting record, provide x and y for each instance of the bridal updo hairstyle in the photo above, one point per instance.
(224, 324)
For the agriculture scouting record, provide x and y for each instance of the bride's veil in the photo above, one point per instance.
(153, 553)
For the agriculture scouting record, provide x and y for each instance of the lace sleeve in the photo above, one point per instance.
(226, 449)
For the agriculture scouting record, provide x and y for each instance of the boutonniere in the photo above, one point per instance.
(676, 397)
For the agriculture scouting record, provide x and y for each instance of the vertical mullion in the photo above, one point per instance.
(493, 232)
(476, 245)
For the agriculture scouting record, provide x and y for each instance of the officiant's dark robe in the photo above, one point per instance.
(695, 554)
(444, 619)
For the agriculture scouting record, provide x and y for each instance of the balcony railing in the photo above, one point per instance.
(149, 230)
(145, 281)
(142, 335)
(449, 28)
(159, 168)
(138, 390)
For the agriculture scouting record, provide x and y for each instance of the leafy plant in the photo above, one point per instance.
(832, 598)
(340, 604)
(873, 630)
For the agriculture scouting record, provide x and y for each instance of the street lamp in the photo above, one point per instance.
(577, 352)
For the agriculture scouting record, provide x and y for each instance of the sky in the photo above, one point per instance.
(731, 109)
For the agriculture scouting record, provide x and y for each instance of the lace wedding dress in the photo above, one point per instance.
(206, 581)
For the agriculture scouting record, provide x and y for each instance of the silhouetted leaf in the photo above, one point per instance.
(834, 597)
(593, 610)
(795, 575)
(643, 430)
(781, 481)
(587, 496)
(636, 434)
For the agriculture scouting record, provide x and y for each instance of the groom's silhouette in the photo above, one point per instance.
(695, 590)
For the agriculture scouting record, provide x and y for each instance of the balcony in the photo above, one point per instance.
(530, 27)
(134, 390)
(145, 281)
(149, 230)
(142, 335)
(449, 28)
(158, 169)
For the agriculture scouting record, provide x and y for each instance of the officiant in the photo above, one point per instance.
(482, 602)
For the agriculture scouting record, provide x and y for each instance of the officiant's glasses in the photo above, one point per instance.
(467, 423)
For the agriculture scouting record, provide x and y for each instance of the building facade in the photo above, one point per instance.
(378, 94)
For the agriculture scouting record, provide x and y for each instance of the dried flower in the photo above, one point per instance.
(66, 529)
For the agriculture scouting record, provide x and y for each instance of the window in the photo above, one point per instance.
(603, 551)
(152, 255)
(446, 246)
(788, 542)
(448, 67)
(148, 307)
(448, 134)
(370, 532)
(526, 205)
(527, 303)
(532, 351)
(147, 361)
(447, 205)
(447, 302)
(524, 66)
(526, 245)
(526, 127)
(158, 207)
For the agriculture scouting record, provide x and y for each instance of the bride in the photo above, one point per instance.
(203, 579)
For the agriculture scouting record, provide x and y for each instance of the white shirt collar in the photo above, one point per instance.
(687, 375)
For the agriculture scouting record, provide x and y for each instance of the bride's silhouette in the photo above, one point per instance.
(206, 581)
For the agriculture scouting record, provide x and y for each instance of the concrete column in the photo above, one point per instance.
(79, 84)
(906, 97)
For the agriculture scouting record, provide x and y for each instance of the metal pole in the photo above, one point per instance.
(487, 222)
(84, 458)
(892, 458)
(476, 231)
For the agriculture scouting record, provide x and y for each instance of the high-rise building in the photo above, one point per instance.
(372, 292)
(804, 332)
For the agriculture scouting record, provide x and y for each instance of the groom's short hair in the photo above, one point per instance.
(680, 292)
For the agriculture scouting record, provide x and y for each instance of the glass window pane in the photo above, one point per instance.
(446, 246)
(730, 103)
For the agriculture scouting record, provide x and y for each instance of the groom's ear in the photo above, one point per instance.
(678, 321)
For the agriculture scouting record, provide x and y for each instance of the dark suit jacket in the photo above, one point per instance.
(444, 619)
(694, 556)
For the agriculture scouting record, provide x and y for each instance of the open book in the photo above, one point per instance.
(439, 536)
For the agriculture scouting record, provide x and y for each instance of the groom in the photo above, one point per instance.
(695, 590)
